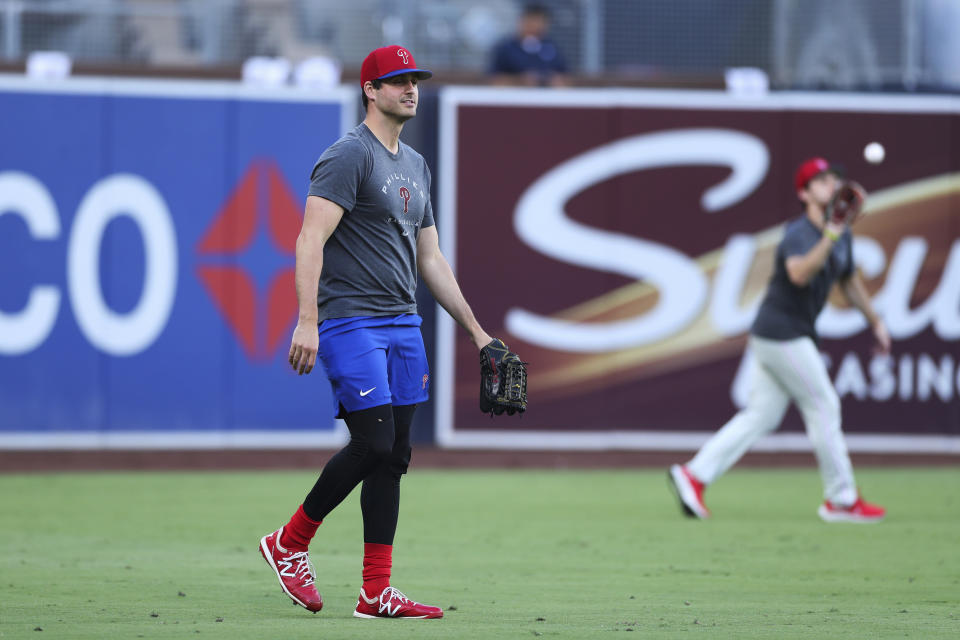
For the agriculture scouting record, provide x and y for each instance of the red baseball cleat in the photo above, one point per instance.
(689, 491)
(393, 604)
(859, 511)
(294, 570)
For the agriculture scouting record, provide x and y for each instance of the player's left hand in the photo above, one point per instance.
(503, 380)
(882, 335)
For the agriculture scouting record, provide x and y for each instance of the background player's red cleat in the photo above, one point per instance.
(859, 511)
(294, 570)
(689, 491)
(393, 604)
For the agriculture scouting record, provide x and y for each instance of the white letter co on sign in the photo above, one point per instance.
(114, 196)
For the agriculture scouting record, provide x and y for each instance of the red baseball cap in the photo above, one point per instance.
(386, 62)
(808, 170)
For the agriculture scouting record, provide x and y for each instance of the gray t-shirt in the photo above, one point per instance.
(789, 311)
(370, 261)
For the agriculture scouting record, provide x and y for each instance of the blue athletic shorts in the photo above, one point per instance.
(374, 360)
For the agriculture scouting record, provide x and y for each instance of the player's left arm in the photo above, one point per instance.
(438, 276)
(856, 292)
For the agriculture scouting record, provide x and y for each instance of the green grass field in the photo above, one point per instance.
(507, 554)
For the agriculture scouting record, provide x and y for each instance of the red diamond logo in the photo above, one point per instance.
(249, 252)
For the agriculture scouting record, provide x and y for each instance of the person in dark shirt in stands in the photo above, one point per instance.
(529, 58)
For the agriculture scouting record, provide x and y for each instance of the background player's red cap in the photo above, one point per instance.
(390, 61)
(808, 170)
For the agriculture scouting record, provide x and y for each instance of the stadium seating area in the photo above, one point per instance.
(849, 44)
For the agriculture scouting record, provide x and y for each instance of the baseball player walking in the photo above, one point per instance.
(368, 229)
(816, 251)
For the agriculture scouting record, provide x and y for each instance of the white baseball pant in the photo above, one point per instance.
(785, 370)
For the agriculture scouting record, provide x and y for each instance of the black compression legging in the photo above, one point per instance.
(378, 454)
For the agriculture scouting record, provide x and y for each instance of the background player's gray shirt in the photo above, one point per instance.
(370, 261)
(789, 311)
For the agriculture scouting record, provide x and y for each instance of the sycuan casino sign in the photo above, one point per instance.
(643, 237)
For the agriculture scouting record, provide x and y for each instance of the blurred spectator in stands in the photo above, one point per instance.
(529, 58)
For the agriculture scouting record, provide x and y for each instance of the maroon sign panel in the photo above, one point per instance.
(622, 250)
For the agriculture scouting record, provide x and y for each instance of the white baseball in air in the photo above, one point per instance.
(874, 153)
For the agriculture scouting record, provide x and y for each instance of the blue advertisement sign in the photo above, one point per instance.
(147, 239)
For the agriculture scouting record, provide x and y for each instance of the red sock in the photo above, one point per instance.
(377, 561)
(298, 533)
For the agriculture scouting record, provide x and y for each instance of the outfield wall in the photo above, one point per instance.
(620, 241)
(617, 239)
(147, 235)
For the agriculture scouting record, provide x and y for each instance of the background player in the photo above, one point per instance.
(814, 253)
(368, 229)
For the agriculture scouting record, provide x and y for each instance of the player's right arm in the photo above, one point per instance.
(320, 219)
(802, 268)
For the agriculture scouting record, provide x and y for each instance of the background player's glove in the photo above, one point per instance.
(847, 203)
(503, 380)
